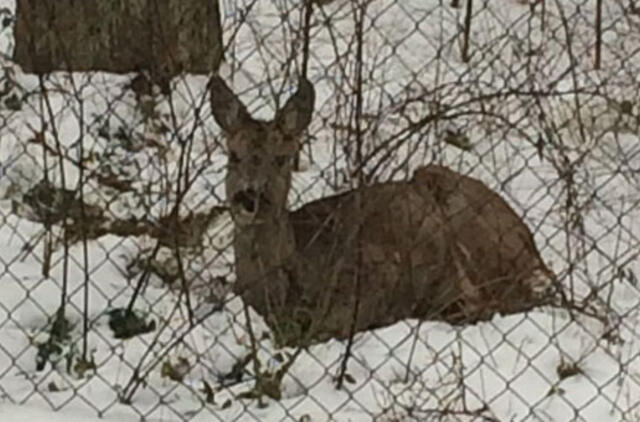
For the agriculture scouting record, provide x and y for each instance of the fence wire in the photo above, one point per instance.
(118, 290)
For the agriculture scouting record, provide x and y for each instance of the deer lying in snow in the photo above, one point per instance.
(440, 246)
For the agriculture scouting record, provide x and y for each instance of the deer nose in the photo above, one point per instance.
(250, 199)
(247, 199)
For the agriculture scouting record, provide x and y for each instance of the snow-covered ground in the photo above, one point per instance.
(546, 365)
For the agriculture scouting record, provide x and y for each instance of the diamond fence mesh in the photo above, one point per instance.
(124, 219)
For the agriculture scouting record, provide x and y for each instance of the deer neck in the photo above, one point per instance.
(269, 240)
(264, 249)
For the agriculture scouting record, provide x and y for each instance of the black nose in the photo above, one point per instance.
(250, 199)
(246, 199)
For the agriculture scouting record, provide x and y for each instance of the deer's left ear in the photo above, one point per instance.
(296, 114)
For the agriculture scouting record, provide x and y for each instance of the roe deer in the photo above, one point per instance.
(440, 246)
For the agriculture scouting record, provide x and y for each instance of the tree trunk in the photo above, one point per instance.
(164, 37)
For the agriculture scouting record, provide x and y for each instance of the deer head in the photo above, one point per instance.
(261, 153)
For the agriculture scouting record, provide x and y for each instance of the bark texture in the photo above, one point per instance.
(164, 37)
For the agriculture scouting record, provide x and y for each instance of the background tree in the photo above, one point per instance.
(162, 37)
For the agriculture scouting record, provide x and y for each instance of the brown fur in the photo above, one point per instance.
(440, 246)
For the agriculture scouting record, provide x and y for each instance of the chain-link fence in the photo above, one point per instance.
(436, 219)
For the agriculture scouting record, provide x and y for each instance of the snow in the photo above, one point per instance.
(515, 368)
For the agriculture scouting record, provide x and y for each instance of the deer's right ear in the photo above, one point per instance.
(296, 114)
(227, 109)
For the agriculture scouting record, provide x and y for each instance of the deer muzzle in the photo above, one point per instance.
(248, 203)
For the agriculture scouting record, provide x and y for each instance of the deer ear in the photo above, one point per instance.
(228, 111)
(296, 114)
